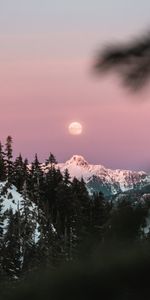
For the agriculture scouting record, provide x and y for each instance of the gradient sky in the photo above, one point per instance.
(46, 55)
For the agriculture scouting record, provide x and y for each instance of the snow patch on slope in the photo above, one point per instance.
(12, 200)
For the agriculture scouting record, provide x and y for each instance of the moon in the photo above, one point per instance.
(75, 128)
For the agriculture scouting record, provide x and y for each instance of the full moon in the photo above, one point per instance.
(75, 128)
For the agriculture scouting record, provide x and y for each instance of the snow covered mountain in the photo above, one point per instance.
(98, 178)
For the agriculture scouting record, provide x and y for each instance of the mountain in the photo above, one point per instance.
(98, 178)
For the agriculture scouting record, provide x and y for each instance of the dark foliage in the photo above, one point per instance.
(131, 61)
(73, 227)
(116, 272)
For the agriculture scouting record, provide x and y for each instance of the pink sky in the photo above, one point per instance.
(40, 99)
(46, 82)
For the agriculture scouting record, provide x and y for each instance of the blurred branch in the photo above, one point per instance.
(131, 61)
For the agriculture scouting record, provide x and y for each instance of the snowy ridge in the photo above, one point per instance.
(11, 199)
(14, 201)
(97, 177)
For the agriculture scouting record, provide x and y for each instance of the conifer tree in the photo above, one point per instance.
(126, 221)
(82, 198)
(12, 249)
(82, 225)
(2, 164)
(28, 228)
(9, 156)
(51, 160)
(37, 181)
(1, 233)
(66, 218)
(46, 246)
(52, 180)
(19, 173)
(100, 214)
(67, 177)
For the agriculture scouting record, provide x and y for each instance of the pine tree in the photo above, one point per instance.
(82, 216)
(66, 219)
(52, 180)
(28, 178)
(29, 216)
(36, 181)
(9, 156)
(67, 177)
(19, 173)
(100, 215)
(51, 160)
(82, 197)
(1, 234)
(12, 249)
(46, 246)
(126, 221)
(2, 164)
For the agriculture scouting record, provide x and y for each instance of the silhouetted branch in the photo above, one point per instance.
(131, 61)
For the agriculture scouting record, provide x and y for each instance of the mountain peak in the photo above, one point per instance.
(78, 160)
(101, 179)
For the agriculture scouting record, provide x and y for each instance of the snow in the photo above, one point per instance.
(125, 179)
(36, 233)
(53, 228)
(14, 201)
(115, 180)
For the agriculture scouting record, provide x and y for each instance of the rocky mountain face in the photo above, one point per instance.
(98, 178)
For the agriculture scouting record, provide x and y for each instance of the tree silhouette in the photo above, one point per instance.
(131, 61)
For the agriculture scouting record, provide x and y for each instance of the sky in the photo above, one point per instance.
(46, 81)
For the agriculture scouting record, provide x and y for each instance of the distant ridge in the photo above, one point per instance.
(98, 178)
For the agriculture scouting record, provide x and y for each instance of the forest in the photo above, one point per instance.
(56, 221)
